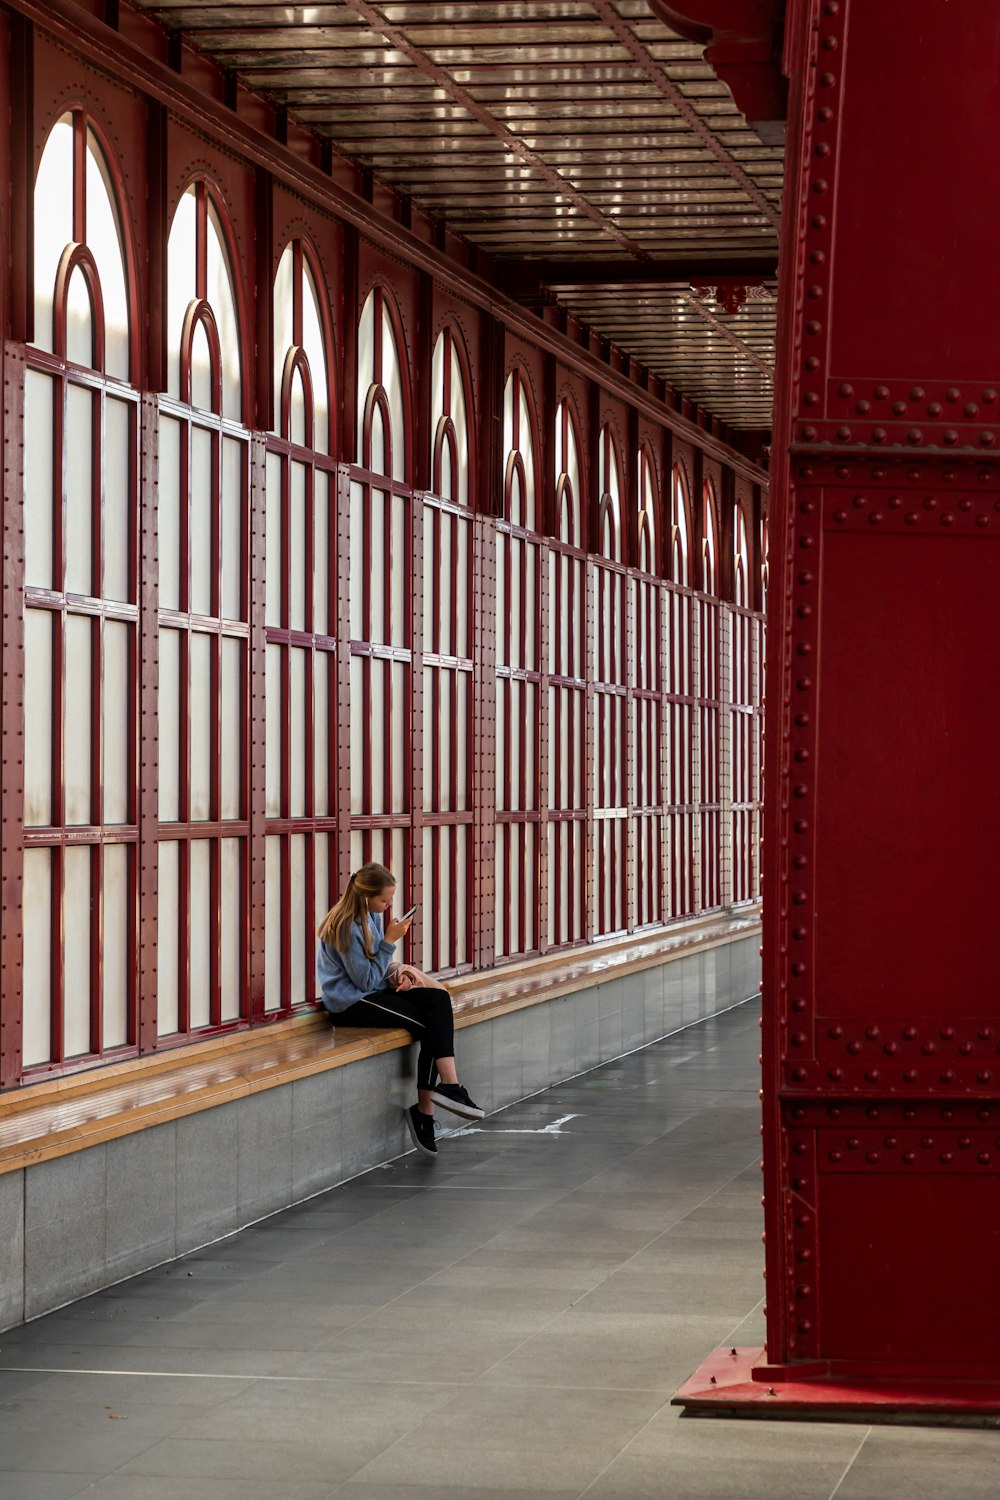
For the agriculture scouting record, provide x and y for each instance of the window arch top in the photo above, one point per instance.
(204, 363)
(301, 358)
(519, 446)
(763, 562)
(679, 530)
(646, 506)
(449, 421)
(709, 549)
(609, 482)
(741, 559)
(567, 457)
(81, 297)
(381, 407)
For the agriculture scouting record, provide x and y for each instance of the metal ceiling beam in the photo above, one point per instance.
(529, 280)
(670, 91)
(724, 331)
(398, 39)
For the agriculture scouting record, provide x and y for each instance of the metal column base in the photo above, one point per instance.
(740, 1383)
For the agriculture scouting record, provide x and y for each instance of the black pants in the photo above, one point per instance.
(426, 1015)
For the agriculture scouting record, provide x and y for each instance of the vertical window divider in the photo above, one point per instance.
(148, 676)
(12, 746)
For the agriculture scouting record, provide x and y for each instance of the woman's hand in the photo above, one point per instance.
(397, 929)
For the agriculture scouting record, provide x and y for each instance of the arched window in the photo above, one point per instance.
(647, 505)
(81, 301)
(450, 457)
(519, 446)
(301, 358)
(203, 513)
(80, 533)
(763, 563)
(610, 509)
(381, 401)
(741, 561)
(300, 621)
(567, 455)
(204, 361)
(709, 553)
(679, 528)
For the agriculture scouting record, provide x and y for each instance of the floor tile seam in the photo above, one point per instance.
(851, 1462)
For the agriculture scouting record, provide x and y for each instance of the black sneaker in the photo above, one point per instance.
(452, 1096)
(421, 1128)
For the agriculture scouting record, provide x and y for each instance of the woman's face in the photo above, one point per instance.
(383, 900)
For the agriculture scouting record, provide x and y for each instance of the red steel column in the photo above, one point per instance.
(881, 989)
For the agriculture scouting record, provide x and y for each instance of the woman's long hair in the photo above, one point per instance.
(335, 928)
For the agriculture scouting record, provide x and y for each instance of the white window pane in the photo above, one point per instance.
(297, 549)
(314, 343)
(79, 321)
(53, 222)
(321, 553)
(168, 513)
(200, 524)
(180, 282)
(77, 718)
(233, 528)
(322, 741)
(36, 1027)
(104, 243)
(223, 303)
(400, 737)
(232, 936)
(200, 927)
(366, 364)
(118, 505)
(393, 382)
(77, 928)
(272, 542)
(38, 440)
(359, 626)
(297, 930)
(358, 767)
(202, 374)
(283, 327)
(272, 781)
(297, 410)
(202, 706)
(232, 728)
(117, 721)
(38, 624)
(167, 924)
(168, 714)
(79, 489)
(399, 626)
(298, 662)
(272, 924)
(322, 900)
(116, 945)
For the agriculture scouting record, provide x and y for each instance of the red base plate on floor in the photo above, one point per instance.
(739, 1382)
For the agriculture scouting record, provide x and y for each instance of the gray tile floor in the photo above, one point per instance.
(506, 1323)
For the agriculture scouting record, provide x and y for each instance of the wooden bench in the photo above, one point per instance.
(59, 1116)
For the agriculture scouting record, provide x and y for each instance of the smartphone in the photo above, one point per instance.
(408, 913)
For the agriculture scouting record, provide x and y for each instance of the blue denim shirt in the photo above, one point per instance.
(347, 977)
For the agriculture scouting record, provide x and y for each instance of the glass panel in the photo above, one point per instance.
(38, 627)
(322, 739)
(202, 381)
(78, 689)
(38, 456)
(377, 459)
(297, 409)
(322, 897)
(171, 729)
(105, 244)
(200, 523)
(283, 325)
(399, 624)
(77, 928)
(233, 528)
(116, 945)
(36, 1027)
(297, 549)
(272, 924)
(202, 710)
(314, 343)
(322, 604)
(359, 626)
(117, 499)
(79, 488)
(117, 722)
(272, 782)
(232, 728)
(200, 928)
(169, 512)
(53, 222)
(400, 736)
(168, 923)
(223, 303)
(297, 927)
(392, 380)
(180, 282)
(272, 531)
(232, 928)
(297, 661)
(359, 768)
(366, 364)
